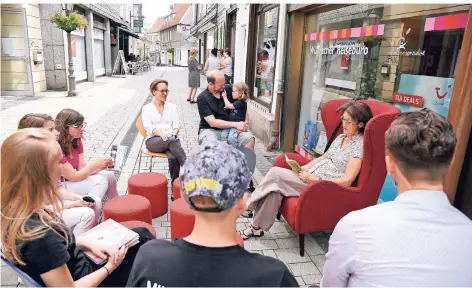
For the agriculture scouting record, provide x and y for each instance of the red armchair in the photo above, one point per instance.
(322, 204)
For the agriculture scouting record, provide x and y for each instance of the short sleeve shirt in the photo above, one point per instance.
(73, 158)
(239, 112)
(208, 105)
(52, 251)
(335, 164)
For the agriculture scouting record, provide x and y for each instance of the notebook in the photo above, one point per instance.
(110, 232)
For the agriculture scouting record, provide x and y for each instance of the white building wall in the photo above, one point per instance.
(242, 22)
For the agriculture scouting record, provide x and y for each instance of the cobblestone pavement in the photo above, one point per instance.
(111, 106)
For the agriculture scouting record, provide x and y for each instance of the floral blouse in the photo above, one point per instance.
(335, 164)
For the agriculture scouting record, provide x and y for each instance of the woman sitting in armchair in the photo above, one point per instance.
(340, 164)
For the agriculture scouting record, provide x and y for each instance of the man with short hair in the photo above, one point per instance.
(419, 239)
(213, 183)
(214, 116)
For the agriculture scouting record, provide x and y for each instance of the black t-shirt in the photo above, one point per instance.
(210, 105)
(239, 113)
(183, 264)
(50, 252)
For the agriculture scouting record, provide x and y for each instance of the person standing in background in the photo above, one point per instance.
(194, 69)
(226, 66)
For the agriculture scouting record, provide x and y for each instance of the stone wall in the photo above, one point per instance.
(53, 48)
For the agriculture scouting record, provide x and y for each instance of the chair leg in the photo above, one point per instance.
(150, 166)
(301, 238)
(140, 155)
(278, 215)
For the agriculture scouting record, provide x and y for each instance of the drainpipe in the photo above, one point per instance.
(274, 139)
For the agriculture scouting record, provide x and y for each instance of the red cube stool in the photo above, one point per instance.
(128, 208)
(153, 186)
(176, 189)
(182, 219)
(137, 224)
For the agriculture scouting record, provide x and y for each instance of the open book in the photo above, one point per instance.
(110, 232)
(117, 154)
(293, 164)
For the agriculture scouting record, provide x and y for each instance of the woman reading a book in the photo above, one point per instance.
(77, 214)
(340, 164)
(34, 238)
(83, 178)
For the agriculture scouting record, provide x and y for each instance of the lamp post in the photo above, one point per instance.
(69, 7)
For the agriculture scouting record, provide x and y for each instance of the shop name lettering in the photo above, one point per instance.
(341, 50)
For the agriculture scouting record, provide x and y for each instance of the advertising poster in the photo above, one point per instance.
(309, 136)
(416, 92)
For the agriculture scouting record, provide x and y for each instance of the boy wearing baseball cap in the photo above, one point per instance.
(214, 183)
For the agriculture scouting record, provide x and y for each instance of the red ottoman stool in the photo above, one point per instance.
(176, 189)
(182, 219)
(153, 186)
(128, 208)
(137, 224)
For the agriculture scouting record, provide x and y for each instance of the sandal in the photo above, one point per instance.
(247, 214)
(251, 232)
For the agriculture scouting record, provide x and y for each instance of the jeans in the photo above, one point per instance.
(228, 79)
(231, 136)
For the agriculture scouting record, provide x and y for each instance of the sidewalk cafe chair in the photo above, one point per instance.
(323, 203)
(25, 278)
(142, 131)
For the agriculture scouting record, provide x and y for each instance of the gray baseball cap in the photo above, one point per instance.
(218, 171)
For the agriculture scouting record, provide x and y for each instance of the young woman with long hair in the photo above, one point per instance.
(81, 178)
(33, 236)
(78, 214)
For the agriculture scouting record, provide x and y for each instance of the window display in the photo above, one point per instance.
(266, 51)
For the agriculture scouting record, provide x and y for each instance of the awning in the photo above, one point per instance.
(129, 32)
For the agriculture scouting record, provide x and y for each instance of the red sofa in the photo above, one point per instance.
(322, 204)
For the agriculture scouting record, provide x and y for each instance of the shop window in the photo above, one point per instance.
(403, 54)
(265, 51)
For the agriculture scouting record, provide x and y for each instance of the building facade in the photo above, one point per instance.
(23, 70)
(94, 49)
(173, 33)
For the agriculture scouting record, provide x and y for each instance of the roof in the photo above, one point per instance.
(179, 10)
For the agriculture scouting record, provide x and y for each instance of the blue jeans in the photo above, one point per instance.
(230, 135)
(228, 79)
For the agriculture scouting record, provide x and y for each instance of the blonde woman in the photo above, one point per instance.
(33, 238)
(238, 110)
(78, 214)
(194, 69)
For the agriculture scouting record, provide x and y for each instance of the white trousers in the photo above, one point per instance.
(79, 219)
(95, 186)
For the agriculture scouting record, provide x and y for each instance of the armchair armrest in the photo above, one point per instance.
(280, 161)
(323, 203)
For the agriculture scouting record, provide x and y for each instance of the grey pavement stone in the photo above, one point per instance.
(312, 279)
(291, 255)
(300, 281)
(319, 261)
(288, 243)
(270, 253)
(303, 269)
(278, 227)
(255, 244)
(312, 247)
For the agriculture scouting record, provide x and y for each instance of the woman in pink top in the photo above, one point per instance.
(81, 178)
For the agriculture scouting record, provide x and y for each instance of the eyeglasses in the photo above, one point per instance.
(348, 121)
(165, 91)
(79, 126)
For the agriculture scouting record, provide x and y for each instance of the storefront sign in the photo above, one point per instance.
(401, 42)
(340, 50)
(407, 99)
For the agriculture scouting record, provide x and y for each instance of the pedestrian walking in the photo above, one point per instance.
(194, 69)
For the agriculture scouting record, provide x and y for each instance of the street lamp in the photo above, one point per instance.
(69, 7)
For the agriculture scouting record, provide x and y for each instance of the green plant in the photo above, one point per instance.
(371, 41)
(70, 22)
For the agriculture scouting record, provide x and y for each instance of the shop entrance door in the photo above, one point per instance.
(15, 56)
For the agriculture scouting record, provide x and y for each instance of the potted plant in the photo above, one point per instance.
(70, 22)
